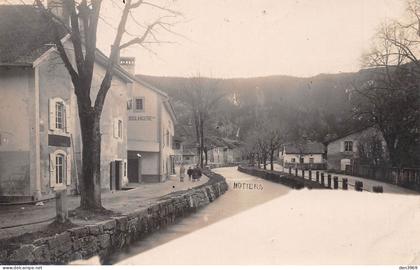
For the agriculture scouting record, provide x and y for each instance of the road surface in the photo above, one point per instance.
(281, 226)
(234, 201)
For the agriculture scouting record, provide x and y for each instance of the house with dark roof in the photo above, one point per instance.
(342, 151)
(308, 155)
(40, 139)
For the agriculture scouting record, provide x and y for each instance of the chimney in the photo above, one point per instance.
(58, 8)
(128, 63)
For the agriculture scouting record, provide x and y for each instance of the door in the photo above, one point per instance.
(115, 175)
(118, 174)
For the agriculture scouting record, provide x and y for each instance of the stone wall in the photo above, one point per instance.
(281, 178)
(105, 237)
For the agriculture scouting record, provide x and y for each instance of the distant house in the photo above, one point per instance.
(223, 151)
(308, 155)
(40, 145)
(343, 151)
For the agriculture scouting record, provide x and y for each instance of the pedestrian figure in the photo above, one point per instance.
(199, 173)
(189, 172)
(195, 174)
(182, 173)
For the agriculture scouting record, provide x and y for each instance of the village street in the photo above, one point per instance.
(277, 225)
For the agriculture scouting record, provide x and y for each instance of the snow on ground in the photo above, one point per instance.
(304, 227)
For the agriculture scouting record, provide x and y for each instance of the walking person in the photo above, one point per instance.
(199, 173)
(182, 173)
(189, 172)
(194, 174)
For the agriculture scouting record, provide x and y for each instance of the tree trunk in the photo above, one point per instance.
(205, 155)
(90, 195)
(272, 160)
(201, 143)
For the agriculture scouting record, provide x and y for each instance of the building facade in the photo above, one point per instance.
(309, 155)
(40, 148)
(150, 128)
(343, 151)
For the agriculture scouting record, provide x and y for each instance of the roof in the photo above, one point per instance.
(308, 148)
(354, 131)
(25, 34)
(142, 82)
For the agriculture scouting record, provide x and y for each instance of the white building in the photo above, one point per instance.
(309, 155)
(151, 121)
(40, 139)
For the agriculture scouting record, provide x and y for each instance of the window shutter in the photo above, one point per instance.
(115, 128)
(68, 169)
(51, 111)
(342, 146)
(354, 146)
(52, 170)
(68, 118)
(125, 168)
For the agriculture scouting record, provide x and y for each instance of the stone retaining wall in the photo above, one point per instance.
(105, 237)
(281, 178)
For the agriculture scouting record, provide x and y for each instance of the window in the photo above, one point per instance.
(60, 113)
(139, 104)
(293, 160)
(130, 105)
(120, 128)
(348, 146)
(59, 168)
(311, 160)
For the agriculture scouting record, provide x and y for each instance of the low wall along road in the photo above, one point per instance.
(105, 237)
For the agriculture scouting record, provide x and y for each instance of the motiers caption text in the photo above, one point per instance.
(247, 186)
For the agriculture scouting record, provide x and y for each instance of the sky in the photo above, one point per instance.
(246, 38)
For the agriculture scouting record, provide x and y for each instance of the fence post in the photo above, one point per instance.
(345, 184)
(61, 205)
(303, 173)
(335, 178)
(296, 171)
(358, 186)
(378, 189)
(322, 179)
(310, 175)
(329, 180)
(317, 176)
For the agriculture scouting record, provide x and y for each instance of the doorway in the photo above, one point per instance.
(115, 175)
(134, 170)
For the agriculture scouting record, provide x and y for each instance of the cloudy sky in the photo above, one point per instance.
(243, 38)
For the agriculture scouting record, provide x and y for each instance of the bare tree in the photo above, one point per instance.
(84, 17)
(390, 99)
(202, 97)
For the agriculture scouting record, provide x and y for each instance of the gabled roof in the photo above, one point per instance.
(308, 148)
(25, 34)
(354, 131)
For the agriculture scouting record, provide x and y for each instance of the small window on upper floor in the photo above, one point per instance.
(348, 146)
(59, 115)
(139, 104)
